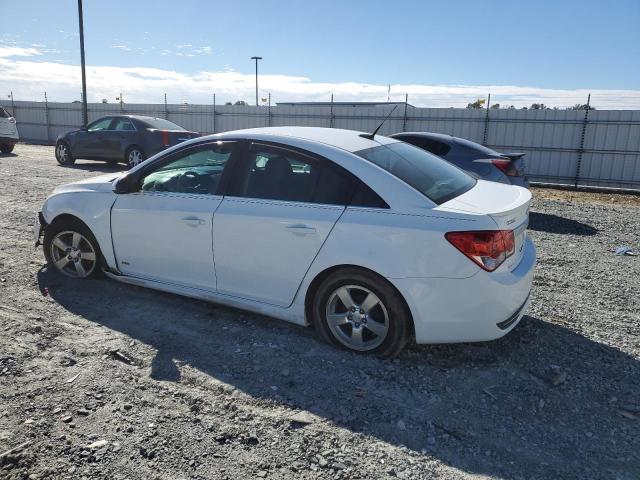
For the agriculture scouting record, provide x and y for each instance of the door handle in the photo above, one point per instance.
(193, 221)
(300, 229)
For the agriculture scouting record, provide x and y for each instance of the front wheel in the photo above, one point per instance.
(359, 311)
(70, 247)
(63, 154)
(135, 156)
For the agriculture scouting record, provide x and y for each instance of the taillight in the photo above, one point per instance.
(165, 138)
(506, 166)
(487, 248)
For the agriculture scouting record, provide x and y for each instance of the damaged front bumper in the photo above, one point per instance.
(39, 224)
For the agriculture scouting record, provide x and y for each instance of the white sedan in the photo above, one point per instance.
(370, 239)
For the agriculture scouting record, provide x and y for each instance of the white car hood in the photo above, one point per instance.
(101, 183)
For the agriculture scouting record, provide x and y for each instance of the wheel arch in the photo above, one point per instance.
(70, 218)
(321, 276)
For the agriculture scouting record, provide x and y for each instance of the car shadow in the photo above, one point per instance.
(8, 155)
(544, 397)
(545, 222)
(97, 167)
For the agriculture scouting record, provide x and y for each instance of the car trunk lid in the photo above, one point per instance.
(169, 138)
(507, 205)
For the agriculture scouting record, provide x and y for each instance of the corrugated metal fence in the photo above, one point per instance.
(595, 148)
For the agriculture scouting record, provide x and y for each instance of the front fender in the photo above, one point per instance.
(93, 208)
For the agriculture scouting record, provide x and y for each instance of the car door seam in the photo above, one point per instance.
(304, 277)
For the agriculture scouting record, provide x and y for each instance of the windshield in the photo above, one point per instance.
(161, 124)
(435, 178)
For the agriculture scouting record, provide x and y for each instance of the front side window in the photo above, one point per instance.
(432, 176)
(102, 124)
(277, 174)
(194, 171)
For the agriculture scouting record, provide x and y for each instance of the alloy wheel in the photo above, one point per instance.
(73, 255)
(63, 152)
(135, 157)
(357, 317)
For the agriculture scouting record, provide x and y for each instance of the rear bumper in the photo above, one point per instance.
(483, 307)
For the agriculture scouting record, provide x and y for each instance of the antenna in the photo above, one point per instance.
(371, 135)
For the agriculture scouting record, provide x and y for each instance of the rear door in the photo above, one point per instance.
(279, 210)
(115, 141)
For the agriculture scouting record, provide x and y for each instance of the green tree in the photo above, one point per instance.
(495, 105)
(241, 102)
(477, 104)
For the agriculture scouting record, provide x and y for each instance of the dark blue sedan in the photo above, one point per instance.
(120, 138)
(477, 160)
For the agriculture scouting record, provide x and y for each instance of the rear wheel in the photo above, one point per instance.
(6, 147)
(63, 154)
(71, 249)
(135, 156)
(360, 311)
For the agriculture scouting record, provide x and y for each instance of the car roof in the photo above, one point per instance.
(349, 140)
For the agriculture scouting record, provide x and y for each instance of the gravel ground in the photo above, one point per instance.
(103, 380)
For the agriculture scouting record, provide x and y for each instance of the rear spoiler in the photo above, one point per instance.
(513, 155)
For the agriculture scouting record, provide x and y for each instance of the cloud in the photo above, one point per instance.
(124, 48)
(28, 80)
(19, 52)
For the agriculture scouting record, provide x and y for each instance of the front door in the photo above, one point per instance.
(163, 232)
(279, 210)
(89, 143)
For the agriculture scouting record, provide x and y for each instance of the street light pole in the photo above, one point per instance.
(256, 59)
(85, 117)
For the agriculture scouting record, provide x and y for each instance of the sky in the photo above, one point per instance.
(440, 53)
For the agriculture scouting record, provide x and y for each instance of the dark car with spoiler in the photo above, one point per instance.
(477, 160)
(120, 138)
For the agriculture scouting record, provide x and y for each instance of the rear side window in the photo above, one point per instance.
(123, 124)
(365, 197)
(161, 124)
(278, 174)
(430, 145)
(432, 176)
(477, 147)
(4, 113)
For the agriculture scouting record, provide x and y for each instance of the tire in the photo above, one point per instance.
(83, 257)
(63, 154)
(134, 156)
(382, 327)
(6, 147)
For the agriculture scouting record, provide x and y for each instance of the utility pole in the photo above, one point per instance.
(256, 59)
(85, 116)
(13, 107)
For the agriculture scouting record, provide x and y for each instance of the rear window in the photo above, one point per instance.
(4, 113)
(161, 124)
(477, 147)
(435, 178)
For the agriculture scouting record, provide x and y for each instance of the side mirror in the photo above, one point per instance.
(126, 184)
